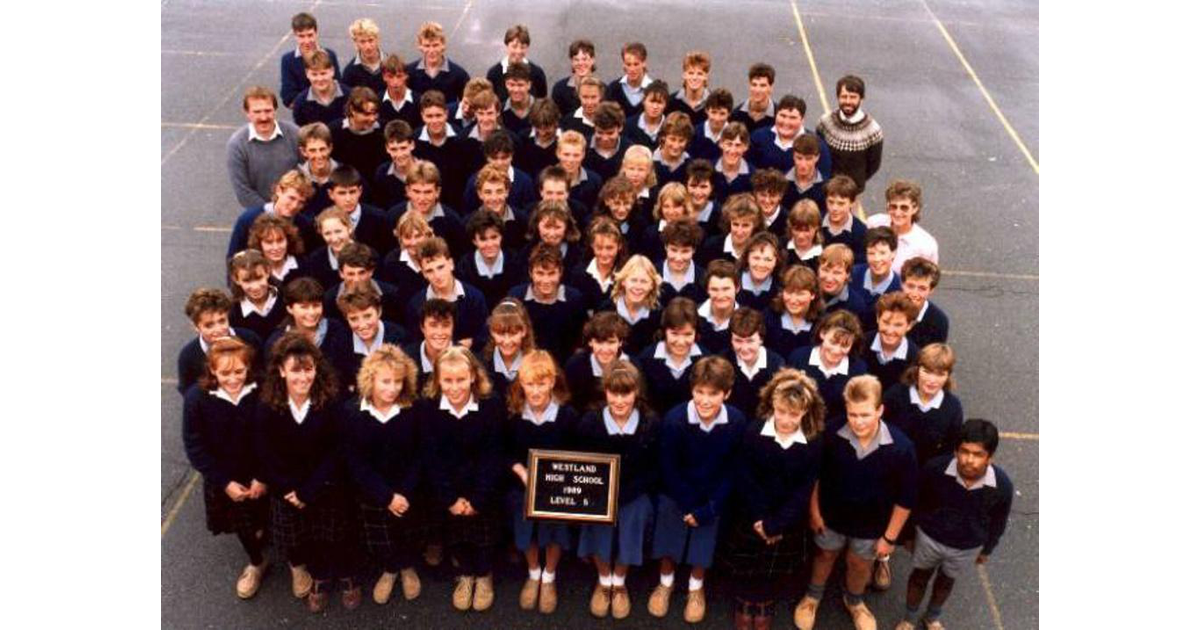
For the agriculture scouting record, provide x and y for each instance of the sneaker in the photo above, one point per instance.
(863, 619)
(694, 611)
(934, 624)
(433, 555)
(383, 588)
(484, 594)
(351, 595)
(806, 613)
(547, 598)
(881, 578)
(905, 625)
(317, 597)
(250, 579)
(660, 601)
(302, 582)
(601, 600)
(529, 594)
(464, 585)
(410, 583)
(621, 605)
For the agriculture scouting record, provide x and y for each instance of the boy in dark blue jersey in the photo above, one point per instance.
(291, 65)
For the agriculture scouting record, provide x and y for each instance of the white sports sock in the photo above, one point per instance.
(618, 580)
(695, 584)
(606, 580)
(547, 577)
(666, 579)
(535, 574)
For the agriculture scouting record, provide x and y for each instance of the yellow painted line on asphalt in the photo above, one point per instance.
(989, 274)
(986, 95)
(991, 597)
(812, 62)
(183, 495)
(198, 125)
(1011, 435)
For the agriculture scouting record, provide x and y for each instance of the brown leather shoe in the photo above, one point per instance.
(302, 582)
(410, 582)
(601, 600)
(318, 597)
(463, 587)
(881, 577)
(806, 613)
(529, 594)
(621, 605)
(383, 588)
(693, 612)
(660, 601)
(547, 598)
(484, 594)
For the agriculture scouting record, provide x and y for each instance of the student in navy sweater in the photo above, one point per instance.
(740, 219)
(556, 310)
(208, 311)
(400, 268)
(257, 306)
(365, 69)
(218, 422)
(699, 444)
(923, 406)
(362, 308)
(733, 170)
(758, 111)
(498, 148)
(552, 223)
(768, 185)
(462, 424)
(356, 265)
(962, 512)
(721, 286)
(754, 363)
(516, 46)
(324, 99)
(368, 224)
(384, 460)
(537, 148)
(539, 417)
(424, 188)
(335, 228)
(866, 490)
(833, 359)
(280, 243)
(398, 101)
(889, 351)
(581, 119)
(303, 299)
(291, 66)
(766, 544)
(439, 144)
(608, 144)
(680, 273)
(604, 336)
(772, 146)
(717, 108)
(670, 207)
(436, 335)
(387, 186)
(317, 163)
(625, 427)
(583, 183)
(918, 278)
(804, 244)
(638, 167)
(876, 277)
(668, 363)
(491, 267)
(630, 89)
(699, 179)
(287, 202)
(643, 126)
(670, 155)
(594, 279)
(840, 225)
(434, 70)
(486, 109)
(517, 102)
(759, 270)
(300, 444)
(833, 275)
(582, 55)
(691, 98)
(616, 202)
(794, 312)
(437, 267)
(635, 297)
(804, 181)
(510, 339)
(358, 137)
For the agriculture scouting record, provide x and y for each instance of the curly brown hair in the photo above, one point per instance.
(294, 345)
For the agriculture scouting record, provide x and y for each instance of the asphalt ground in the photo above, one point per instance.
(981, 202)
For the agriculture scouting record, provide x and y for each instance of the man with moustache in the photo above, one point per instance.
(855, 139)
(258, 154)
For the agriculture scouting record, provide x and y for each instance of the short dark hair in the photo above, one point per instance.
(680, 311)
(482, 220)
(658, 88)
(920, 267)
(544, 113)
(437, 309)
(609, 116)
(979, 431)
(806, 144)
(713, 371)
(791, 101)
(357, 255)
(700, 169)
(345, 176)
(498, 143)
(519, 32)
(397, 131)
(637, 49)
(682, 234)
(302, 291)
(746, 321)
(719, 98)
(768, 180)
(853, 84)
(606, 325)
(303, 22)
(544, 255)
(519, 71)
(881, 234)
(581, 45)
(762, 70)
(432, 98)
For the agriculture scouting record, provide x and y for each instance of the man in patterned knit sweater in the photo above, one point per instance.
(855, 139)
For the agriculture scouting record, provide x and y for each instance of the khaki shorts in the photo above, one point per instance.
(830, 540)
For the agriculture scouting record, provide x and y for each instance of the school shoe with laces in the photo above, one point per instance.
(863, 619)
(601, 600)
(621, 605)
(881, 577)
(410, 583)
(529, 594)
(463, 587)
(660, 601)
(805, 614)
(302, 582)
(383, 588)
(547, 598)
(250, 579)
(351, 594)
(484, 594)
(693, 612)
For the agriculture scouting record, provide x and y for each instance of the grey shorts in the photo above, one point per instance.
(830, 540)
(929, 553)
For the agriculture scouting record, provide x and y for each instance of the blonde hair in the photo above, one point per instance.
(639, 153)
(864, 388)
(637, 263)
(412, 222)
(481, 385)
(364, 27)
(334, 212)
(431, 30)
(537, 365)
(572, 138)
(389, 357)
(935, 357)
(672, 191)
(794, 390)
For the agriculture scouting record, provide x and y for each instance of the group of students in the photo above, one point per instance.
(373, 400)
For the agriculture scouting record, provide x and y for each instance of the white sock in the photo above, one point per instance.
(666, 579)
(535, 574)
(695, 584)
(618, 580)
(547, 577)
(606, 580)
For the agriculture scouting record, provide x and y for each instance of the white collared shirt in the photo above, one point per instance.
(408, 98)
(784, 145)
(337, 91)
(791, 325)
(729, 248)
(882, 437)
(630, 427)
(301, 412)
(204, 344)
(842, 296)
(770, 111)
(549, 414)
(631, 318)
(510, 374)
(459, 291)
(877, 289)
(816, 179)
(444, 67)
(900, 354)
(843, 366)
(705, 311)
(759, 364)
(705, 212)
(381, 416)
(579, 114)
(593, 270)
(989, 477)
(768, 430)
(634, 94)
(921, 314)
(277, 132)
(811, 252)
(657, 156)
(914, 396)
(677, 370)
(742, 169)
(847, 227)
(530, 296)
(472, 405)
(289, 264)
(768, 219)
(693, 417)
(597, 369)
(748, 283)
(689, 276)
(484, 270)
(715, 136)
(426, 364)
(333, 263)
(408, 260)
(249, 307)
(645, 126)
(360, 346)
(424, 136)
(346, 125)
(224, 395)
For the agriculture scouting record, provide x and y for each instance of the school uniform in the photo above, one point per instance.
(384, 459)
(364, 150)
(520, 194)
(575, 120)
(473, 158)
(388, 187)
(705, 144)
(642, 324)
(443, 220)
(757, 296)
(852, 235)
(889, 368)
(670, 383)
(666, 173)
(724, 186)
(584, 379)
(404, 108)
(649, 242)
(785, 334)
(501, 375)
(831, 382)
(532, 157)
(629, 97)
(301, 450)
(810, 257)
(565, 94)
(640, 131)
(537, 85)
(470, 312)
(550, 430)
(933, 427)
(585, 190)
(493, 281)
(465, 458)
(697, 465)
(239, 239)
(572, 254)
(449, 157)
(774, 483)
(218, 437)
(584, 277)
(689, 287)
(308, 107)
(861, 485)
(717, 247)
(401, 271)
(321, 186)
(741, 114)
(795, 191)
(709, 218)
(852, 299)
(518, 124)
(332, 339)
(860, 276)
(357, 74)
(391, 308)
(607, 167)
(679, 103)
(748, 380)
(768, 151)
(243, 314)
(932, 326)
(353, 350)
(450, 78)
(557, 324)
(637, 444)
(293, 79)
(956, 523)
(776, 223)
(714, 336)
(292, 268)
(193, 357)
(416, 351)
(321, 265)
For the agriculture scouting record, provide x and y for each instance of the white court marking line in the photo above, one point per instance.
(461, 17)
(197, 53)
(989, 274)
(198, 125)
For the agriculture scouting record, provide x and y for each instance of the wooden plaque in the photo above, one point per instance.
(572, 486)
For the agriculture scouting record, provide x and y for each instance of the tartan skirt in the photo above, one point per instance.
(226, 516)
(325, 521)
(744, 555)
(386, 534)
(481, 530)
